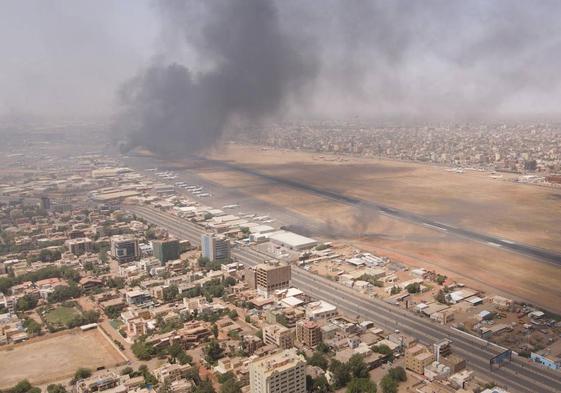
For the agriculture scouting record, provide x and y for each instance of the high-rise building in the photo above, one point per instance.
(271, 276)
(280, 372)
(124, 248)
(215, 247)
(308, 333)
(166, 250)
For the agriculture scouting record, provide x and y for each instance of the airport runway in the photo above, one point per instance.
(492, 241)
(518, 376)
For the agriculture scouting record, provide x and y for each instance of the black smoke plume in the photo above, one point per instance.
(254, 68)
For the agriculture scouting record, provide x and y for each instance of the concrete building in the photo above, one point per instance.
(171, 372)
(291, 241)
(79, 246)
(308, 333)
(320, 310)
(215, 247)
(124, 248)
(417, 358)
(280, 372)
(270, 277)
(166, 250)
(278, 335)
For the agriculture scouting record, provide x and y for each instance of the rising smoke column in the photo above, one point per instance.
(255, 68)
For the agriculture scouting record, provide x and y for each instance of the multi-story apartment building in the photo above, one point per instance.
(280, 372)
(271, 276)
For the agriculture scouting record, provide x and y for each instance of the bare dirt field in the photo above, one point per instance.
(524, 213)
(55, 357)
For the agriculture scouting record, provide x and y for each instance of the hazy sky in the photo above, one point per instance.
(445, 58)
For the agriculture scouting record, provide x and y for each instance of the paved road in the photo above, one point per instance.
(520, 248)
(520, 375)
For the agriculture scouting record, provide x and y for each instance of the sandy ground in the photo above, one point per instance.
(54, 357)
(524, 213)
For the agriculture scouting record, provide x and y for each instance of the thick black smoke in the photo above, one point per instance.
(254, 66)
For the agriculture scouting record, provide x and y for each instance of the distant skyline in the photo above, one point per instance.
(449, 60)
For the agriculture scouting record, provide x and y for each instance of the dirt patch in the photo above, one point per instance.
(55, 357)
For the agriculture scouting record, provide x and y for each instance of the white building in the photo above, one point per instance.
(281, 372)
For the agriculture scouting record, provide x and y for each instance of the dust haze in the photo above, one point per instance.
(173, 75)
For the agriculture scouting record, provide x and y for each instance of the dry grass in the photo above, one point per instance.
(55, 357)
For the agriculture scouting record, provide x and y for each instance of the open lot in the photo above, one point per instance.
(55, 357)
(524, 213)
(61, 315)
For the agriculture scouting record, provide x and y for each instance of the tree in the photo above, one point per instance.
(56, 388)
(441, 297)
(213, 352)
(230, 386)
(318, 360)
(440, 279)
(388, 384)
(413, 287)
(32, 327)
(171, 293)
(357, 367)
(127, 371)
(81, 373)
(204, 387)
(323, 348)
(398, 374)
(214, 330)
(341, 374)
(395, 290)
(320, 385)
(26, 302)
(142, 350)
(21, 387)
(361, 385)
(384, 350)
(184, 358)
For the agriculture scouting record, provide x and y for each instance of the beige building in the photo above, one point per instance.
(280, 372)
(279, 335)
(271, 276)
(417, 358)
(171, 372)
(308, 333)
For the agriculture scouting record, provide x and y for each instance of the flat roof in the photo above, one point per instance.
(291, 239)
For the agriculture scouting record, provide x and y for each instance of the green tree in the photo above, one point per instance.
(230, 386)
(384, 350)
(204, 387)
(398, 373)
(318, 360)
(213, 352)
(214, 330)
(357, 367)
(388, 384)
(26, 302)
(440, 279)
(82, 373)
(142, 350)
(32, 327)
(341, 374)
(21, 387)
(413, 287)
(361, 385)
(56, 388)
(323, 348)
(320, 385)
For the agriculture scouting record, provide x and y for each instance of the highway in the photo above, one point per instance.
(520, 248)
(519, 375)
